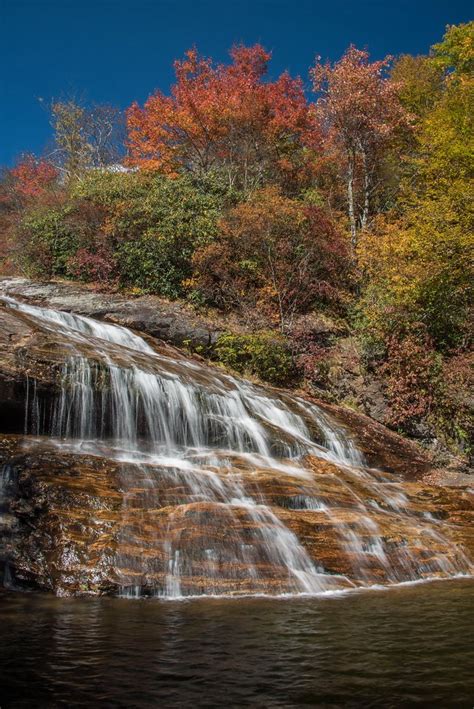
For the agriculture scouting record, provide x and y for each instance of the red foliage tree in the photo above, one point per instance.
(225, 118)
(33, 177)
(31, 182)
(98, 266)
(411, 373)
(274, 257)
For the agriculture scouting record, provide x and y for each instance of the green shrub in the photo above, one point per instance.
(148, 264)
(107, 189)
(48, 243)
(153, 224)
(265, 355)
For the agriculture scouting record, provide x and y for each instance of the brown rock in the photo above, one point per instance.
(78, 524)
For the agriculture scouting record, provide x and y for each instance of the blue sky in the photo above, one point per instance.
(117, 51)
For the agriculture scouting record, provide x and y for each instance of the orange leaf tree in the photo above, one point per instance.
(226, 119)
(33, 177)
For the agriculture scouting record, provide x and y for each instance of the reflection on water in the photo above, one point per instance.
(390, 648)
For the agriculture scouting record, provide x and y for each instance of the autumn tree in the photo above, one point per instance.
(31, 184)
(456, 50)
(274, 257)
(226, 119)
(419, 83)
(33, 177)
(360, 112)
(419, 261)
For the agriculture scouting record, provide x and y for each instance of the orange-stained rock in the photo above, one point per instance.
(82, 524)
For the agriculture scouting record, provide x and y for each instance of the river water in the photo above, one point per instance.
(406, 646)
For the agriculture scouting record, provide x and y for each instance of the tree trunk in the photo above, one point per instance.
(365, 210)
(350, 200)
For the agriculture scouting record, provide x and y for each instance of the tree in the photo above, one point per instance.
(225, 119)
(360, 113)
(419, 81)
(32, 182)
(419, 265)
(275, 257)
(105, 133)
(85, 137)
(33, 177)
(456, 50)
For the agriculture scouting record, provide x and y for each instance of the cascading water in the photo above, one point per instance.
(203, 441)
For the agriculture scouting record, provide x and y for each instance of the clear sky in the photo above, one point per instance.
(117, 51)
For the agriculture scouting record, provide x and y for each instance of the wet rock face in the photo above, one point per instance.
(382, 447)
(25, 351)
(171, 322)
(57, 519)
(77, 525)
(33, 357)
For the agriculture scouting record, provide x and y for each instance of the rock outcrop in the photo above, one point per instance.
(31, 352)
(171, 322)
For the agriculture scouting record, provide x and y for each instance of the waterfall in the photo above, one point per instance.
(185, 431)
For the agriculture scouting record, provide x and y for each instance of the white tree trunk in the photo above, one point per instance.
(351, 201)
